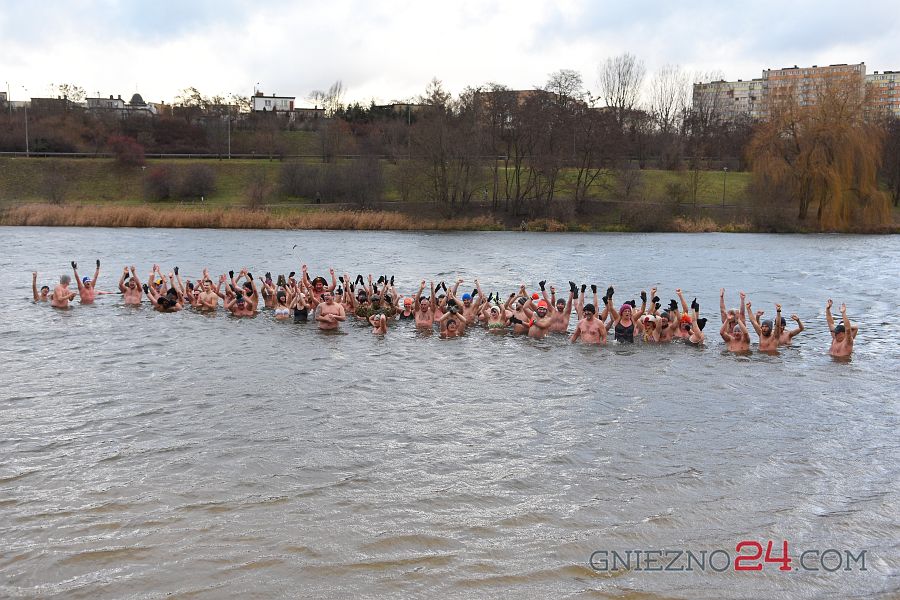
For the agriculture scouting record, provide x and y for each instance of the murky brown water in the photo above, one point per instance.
(146, 455)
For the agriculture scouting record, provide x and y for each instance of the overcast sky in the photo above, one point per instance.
(390, 50)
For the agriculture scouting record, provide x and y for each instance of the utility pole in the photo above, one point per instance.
(25, 105)
(724, 179)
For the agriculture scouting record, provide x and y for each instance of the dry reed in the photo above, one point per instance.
(236, 218)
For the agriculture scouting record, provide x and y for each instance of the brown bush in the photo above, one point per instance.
(160, 183)
(197, 182)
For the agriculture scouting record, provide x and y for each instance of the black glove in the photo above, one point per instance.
(632, 303)
(381, 279)
(673, 305)
(444, 285)
(74, 265)
(605, 300)
(176, 270)
(643, 296)
(474, 292)
(352, 289)
(250, 276)
(701, 323)
(542, 284)
(392, 280)
(572, 287)
(656, 300)
(98, 264)
(609, 292)
(594, 288)
(231, 274)
(657, 305)
(291, 274)
(694, 305)
(146, 289)
(341, 278)
(515, 320)
(340, 291)
(583, 287)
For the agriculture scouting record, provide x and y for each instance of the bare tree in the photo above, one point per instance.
(332, 100)
(620, 80)
(668, 97)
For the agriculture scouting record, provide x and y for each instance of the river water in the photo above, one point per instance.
(145, 455)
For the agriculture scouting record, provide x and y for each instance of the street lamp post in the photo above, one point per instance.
(229, 137)
(724, 179)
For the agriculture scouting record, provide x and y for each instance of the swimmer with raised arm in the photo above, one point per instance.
(735, 335)
(130, 286)
(44, 294)
(787, 337)
(769, 333)
(563, 313)
(87, 292)
(842, 335)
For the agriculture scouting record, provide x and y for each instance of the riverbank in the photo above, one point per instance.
(145, 216)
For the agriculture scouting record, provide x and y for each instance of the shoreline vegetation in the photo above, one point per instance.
(235, 217)
(266, 194)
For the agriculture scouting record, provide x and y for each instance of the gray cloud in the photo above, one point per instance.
(391, 50)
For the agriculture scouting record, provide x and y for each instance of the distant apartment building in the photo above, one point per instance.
(2, 97)
(731, 100)
(805, 83)
(885, 91)
(262, 103)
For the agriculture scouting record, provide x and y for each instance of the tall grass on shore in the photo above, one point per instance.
(177, 217)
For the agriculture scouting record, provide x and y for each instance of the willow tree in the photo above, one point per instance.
(819, 148)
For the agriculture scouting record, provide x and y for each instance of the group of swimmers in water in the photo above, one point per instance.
(378, 303)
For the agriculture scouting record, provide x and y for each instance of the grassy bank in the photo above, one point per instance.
(100, 180)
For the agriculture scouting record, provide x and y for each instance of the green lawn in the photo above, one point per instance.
(101, 180)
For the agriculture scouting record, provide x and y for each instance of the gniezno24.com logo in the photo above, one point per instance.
(748, 555)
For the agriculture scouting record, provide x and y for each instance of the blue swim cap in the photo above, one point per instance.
(467, 296)
(85, 279)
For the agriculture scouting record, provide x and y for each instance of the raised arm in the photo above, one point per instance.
(684, 304)
(722, 310)
(828, 316)
(34, 290)
(78, 279)
(778, 326)
(122, 280)
(96, 274)
(753, 319)
(726, 335)
(333, 281)
(846, 321)
(800, 326)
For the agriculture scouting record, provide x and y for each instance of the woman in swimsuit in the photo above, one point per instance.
(623, 321)
(282, 306)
